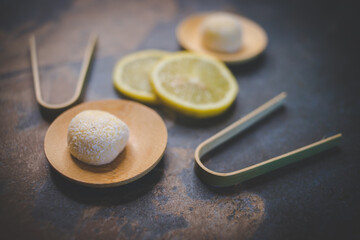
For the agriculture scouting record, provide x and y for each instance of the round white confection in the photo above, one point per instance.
(222, 32)
(96, 137)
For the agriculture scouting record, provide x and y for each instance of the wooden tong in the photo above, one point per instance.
(231, 178)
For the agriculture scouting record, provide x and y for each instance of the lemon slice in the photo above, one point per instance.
(195, 85)
(131, 75)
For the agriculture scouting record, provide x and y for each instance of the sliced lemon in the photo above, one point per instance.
(193, 84)
(131, 75)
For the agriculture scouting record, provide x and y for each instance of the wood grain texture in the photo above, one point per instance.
(254, 39)
(144, 150)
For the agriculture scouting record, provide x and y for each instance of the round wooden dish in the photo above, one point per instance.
(145, 148)
(254, 39)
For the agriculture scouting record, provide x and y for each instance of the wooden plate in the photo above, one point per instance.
(145, 148)
(254, 39)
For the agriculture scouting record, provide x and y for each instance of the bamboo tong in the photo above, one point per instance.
(231, 178)
(57, 108)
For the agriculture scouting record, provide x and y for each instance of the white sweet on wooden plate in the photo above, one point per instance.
(96, 137)
(222, 32)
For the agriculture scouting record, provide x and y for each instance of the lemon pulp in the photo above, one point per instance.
(194, 84)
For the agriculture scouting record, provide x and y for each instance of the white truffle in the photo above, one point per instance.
(222, 32)
(96, 137)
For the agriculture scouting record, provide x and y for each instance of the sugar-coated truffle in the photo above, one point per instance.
(222, 32)
(96, 137)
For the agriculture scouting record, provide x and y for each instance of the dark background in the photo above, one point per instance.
(312, 55)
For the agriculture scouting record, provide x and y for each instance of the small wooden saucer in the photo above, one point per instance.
(254, 39)
(145, 148)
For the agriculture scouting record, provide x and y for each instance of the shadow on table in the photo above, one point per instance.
(109, 196)
(249, 67)
(199, 123)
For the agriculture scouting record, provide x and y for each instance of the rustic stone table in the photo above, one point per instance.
(313, 55)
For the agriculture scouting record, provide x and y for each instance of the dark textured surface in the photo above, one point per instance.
(312, 55)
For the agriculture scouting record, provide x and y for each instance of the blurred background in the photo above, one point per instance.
(312, 54)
